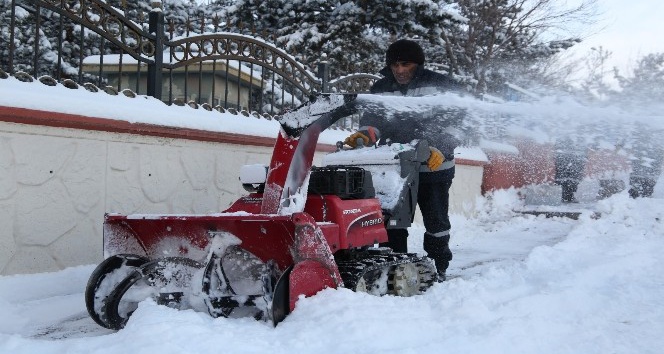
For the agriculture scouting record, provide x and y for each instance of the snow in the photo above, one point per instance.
(381, 155)
(472, 153)
(306, 115)
(519, 284)
(254, 173)
(499, 147)
(142, 109)
(530, 94)
(543, 121)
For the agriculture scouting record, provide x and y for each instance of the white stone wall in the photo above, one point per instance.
(57, 183)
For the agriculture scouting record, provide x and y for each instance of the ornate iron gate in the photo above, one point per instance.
(108, 51)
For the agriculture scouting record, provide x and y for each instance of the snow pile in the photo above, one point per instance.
(520, 284)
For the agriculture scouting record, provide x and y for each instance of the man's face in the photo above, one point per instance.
(403, 71)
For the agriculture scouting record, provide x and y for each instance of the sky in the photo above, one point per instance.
(627, 28)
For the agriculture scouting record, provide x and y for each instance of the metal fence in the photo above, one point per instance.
(90, 43)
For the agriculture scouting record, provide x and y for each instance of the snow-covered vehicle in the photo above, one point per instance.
(279, 242)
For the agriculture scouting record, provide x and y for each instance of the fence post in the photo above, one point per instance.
(12, 46)
(324, 75)
(156, 26)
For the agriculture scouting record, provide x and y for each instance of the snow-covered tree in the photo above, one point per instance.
(487, 41)
(503, 38)
(351, 35)
(646, 84)
(25, 35)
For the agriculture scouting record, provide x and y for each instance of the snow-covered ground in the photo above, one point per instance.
(519, 284)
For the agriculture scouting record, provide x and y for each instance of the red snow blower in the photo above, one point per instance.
(299, 231)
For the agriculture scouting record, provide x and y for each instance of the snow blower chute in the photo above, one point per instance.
(273, 245)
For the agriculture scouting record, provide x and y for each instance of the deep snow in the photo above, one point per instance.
(520, 284)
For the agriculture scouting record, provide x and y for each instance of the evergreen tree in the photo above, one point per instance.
(486, 41)
(351, 35)
(30, 46)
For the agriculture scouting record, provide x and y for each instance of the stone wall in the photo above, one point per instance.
(56, 184)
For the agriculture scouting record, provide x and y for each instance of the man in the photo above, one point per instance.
(647, 157)
(405, 75)
(570, 162)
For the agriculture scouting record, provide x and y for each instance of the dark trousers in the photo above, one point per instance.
(433, 199)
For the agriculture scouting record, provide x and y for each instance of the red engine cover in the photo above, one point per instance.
(360, 221)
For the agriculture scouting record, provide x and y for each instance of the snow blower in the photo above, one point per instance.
(300, 229)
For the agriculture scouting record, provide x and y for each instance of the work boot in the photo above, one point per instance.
(440, 276)
(438, 249)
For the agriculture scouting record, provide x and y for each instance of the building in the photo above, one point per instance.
(227, 83)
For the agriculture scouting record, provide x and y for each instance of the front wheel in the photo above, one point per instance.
(280, 306)
(167, 280)
(104, 279)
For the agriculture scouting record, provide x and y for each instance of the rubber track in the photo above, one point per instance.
(365, 263)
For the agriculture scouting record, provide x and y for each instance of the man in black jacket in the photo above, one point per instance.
(405, 75)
